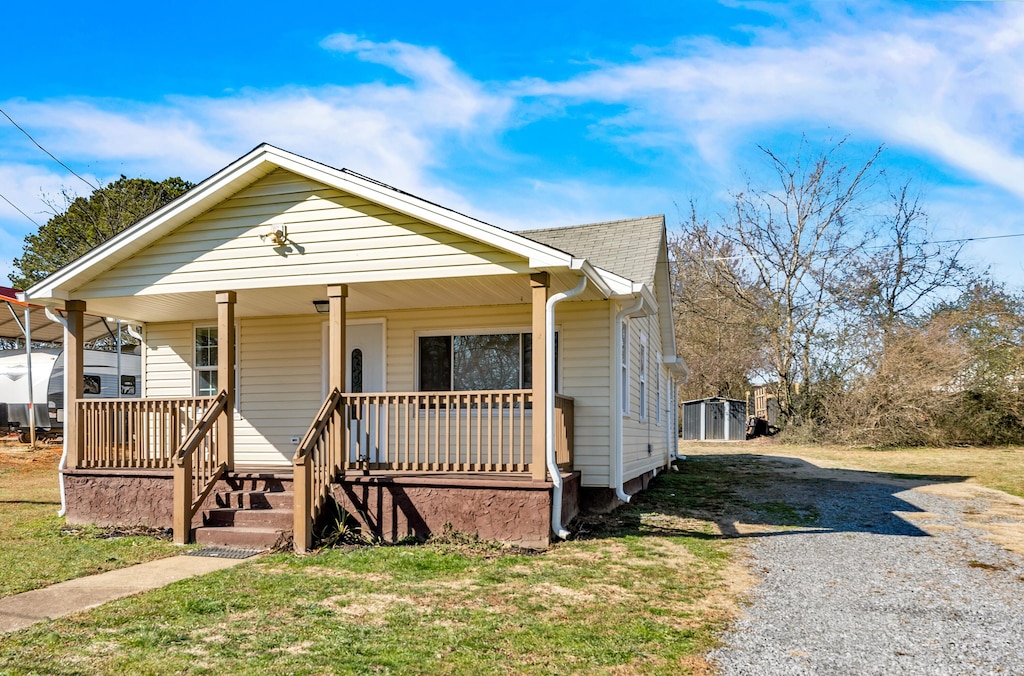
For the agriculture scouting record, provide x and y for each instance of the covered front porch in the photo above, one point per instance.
(396, 459)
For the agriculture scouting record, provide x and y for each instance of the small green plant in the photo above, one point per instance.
(338, 528)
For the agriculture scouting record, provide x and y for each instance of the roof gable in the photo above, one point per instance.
(629, 247)
(250, 168)
(329, 235)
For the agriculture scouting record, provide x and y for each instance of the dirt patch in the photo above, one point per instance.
(20, 457)
(368, 608)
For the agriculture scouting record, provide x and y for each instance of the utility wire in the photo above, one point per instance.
(19, 210)
(52, 156)
(882, 246)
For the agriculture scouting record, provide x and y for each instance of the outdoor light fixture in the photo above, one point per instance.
(322, 306)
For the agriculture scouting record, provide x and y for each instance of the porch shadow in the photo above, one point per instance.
(755, 496)
(393, 516)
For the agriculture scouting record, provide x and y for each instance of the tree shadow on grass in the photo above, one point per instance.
(752, 496)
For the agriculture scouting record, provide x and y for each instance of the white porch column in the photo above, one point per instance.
(74, 355)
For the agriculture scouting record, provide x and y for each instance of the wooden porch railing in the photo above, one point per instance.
(136, 433)
(197, 467)
(439, 431)
(565, 431)
(317, 463)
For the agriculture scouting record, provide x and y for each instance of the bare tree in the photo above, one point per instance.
(902, 270)
(717, 332)
(798, 242)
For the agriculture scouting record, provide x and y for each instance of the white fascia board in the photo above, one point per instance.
(620, 286)
(56, 285)
(678, 367)
(538, 255)
(593, 275)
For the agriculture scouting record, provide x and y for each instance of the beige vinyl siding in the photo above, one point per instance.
(332, 236)
(583, 339)
(585, 352)
(637, 433)
(168, 360)
(280, 386)
(281, 363)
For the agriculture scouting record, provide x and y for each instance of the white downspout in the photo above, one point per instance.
(619, 394)
(53, 316)
(549, 410)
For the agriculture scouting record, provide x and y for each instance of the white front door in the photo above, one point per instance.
(364, 358)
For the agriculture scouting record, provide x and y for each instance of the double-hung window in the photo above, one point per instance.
(624, 360)
(657, 392)
(467, 362)
(642, 376)
(205, 364)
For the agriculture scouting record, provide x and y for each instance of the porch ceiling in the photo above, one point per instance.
(363, 297)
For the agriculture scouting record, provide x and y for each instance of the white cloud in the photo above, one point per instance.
(949, 85)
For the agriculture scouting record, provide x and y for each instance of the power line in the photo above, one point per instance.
(52, 156)
(19, 210)
(961, 240)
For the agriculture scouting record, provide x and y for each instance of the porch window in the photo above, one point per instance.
(495, 361)
(206, 361)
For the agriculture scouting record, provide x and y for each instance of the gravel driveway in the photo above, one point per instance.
(861, 574)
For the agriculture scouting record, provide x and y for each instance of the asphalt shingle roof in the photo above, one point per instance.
(628, 247)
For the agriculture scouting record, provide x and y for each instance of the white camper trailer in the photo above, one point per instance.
(101, 382)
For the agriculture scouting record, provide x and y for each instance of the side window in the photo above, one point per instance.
(657, 392)
(642, 376)
(624, 360)
(128, 386)
(205, 363)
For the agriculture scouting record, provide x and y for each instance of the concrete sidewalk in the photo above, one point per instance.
(65, 598)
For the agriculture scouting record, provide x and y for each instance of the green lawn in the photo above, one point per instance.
(646, 591)
(999, 467)
(36, 548)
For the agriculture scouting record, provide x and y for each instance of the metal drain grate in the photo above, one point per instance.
(224, 553)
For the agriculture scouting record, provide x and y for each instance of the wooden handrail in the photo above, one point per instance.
(197, 467)
(317, 462)
(319, 424)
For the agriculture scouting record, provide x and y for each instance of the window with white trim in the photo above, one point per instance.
(205, 363)
(489, 361)
(657, 393)
(624, 361)
(642, 376)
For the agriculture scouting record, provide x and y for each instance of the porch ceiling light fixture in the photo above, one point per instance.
(322, 306)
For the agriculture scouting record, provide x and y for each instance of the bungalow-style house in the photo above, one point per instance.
(310, 333)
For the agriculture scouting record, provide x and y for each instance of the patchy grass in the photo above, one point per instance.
(36, 549)
(645, 591)
(999, 467)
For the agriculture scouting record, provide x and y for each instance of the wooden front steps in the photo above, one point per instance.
(251, 509)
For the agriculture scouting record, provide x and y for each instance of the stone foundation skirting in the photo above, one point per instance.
(516, 512)
(124, 497)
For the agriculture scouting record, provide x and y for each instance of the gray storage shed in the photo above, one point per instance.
(715, 419)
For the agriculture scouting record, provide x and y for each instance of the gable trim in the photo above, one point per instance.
(260, 162)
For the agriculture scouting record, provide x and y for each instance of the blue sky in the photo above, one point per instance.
(525, 114)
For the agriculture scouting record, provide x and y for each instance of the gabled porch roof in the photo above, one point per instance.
(259, 163)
